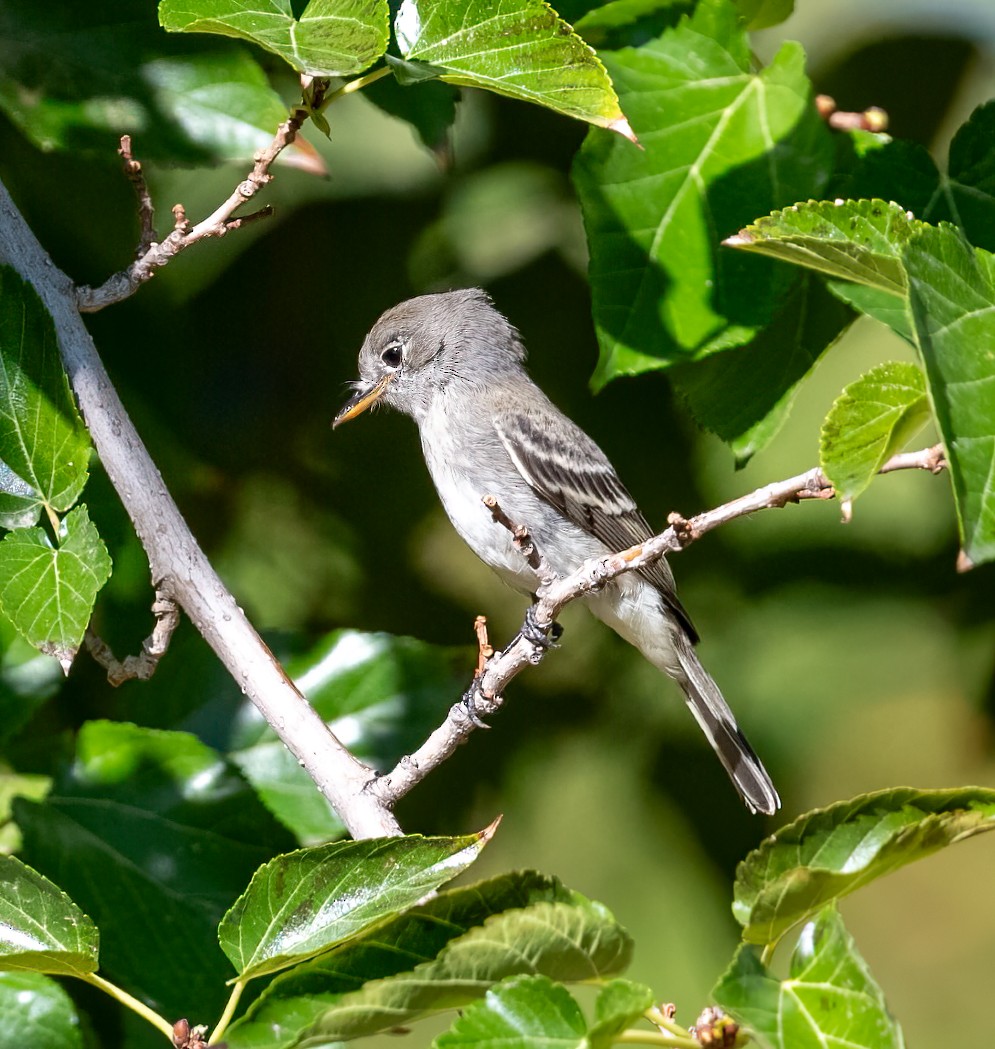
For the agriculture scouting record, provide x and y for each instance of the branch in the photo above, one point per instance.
(179, 566)
(154, 647)
(221, 221)
(553, 594)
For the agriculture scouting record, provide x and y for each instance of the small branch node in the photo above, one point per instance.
(181, 224)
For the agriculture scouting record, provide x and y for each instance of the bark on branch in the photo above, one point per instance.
(553, 594)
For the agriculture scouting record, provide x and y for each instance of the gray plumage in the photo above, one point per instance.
(456, 366)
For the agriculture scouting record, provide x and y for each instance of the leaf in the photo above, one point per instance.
(858, 240)
(951, 291)
(38, 1013)
(41, 929)
(619, 1004)
(762, 14)
(305, 903)
(827, 853)
(718, 137)
(443, 954)
(16, 785)
(331, 38)
(519, 1013)
(42, 437)
(380, 694)
(518, 48)
(152, 831)
(829, 998)
(872, 419)
(745, 394)
(85, 74)
(48, 592)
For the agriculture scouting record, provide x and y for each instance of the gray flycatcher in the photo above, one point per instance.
(455, 365)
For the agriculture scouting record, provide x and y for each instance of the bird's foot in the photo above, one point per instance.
(469, 704)
(541, 637)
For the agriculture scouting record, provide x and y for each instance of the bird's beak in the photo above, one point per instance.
(361, 400)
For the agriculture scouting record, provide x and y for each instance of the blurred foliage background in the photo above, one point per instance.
(855, 656)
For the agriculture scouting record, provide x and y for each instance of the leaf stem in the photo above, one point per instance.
(236, 993)
(659, 1018)
(632, 1036)
(357, 85)
(131, 1003)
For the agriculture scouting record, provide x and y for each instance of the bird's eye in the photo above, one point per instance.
(393, 354)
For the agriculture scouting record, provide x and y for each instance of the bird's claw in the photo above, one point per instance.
(541, 637)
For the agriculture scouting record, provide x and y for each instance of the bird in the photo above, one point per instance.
(456, 365)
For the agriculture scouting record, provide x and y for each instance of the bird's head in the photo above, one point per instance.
(424, 345)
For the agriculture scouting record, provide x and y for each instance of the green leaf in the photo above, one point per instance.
(305, 903)
(151, 830)
(48, 591)
(518, 48)
(858, 240)
(41, 929)
(827, 853)
(443, 954)
(521, 1012)
(85, 74)
(42, 437)
(625, 23)
(745, 394)
(27, 679)
(762, 14)
(38, 1013)
(829, 998)
(951, 291)
(718, 137)
(619, 1004)
(965, 195)
(872, 419)
(331, 38)
(380, 694)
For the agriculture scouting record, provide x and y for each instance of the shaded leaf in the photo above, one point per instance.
(152, 831)
(38, 1013)
(718, 136)
(305, 903)
(48, 591)
(828, 999)
(829, 852)
(951, 291)
(872, 419)
(331, 37)
(42, 438)
(519, 1013)
(17, 785)
(518, 48)
(85, 74)
(745, 394)
(442, 954)
(858, 240)
(41, 929)
(762, 14)
(380, 694)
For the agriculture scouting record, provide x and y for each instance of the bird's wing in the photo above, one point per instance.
(567, 469)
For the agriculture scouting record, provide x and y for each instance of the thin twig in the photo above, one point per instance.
(221, 221)
(154, 647)
(146, 210)
(554, 593)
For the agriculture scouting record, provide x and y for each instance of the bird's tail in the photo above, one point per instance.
(717, 722)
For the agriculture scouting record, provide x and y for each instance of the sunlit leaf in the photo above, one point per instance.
(48, 591)
(827, 853)
(331, 37)
(858, 240)
(872, 419)
(951, 291)
(619, 1004)
(41, 929)
(306, 902)
(519, 48)
(42, 437)
(443, 954)
(519, 1013)
(828, 999)
(719, 136)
